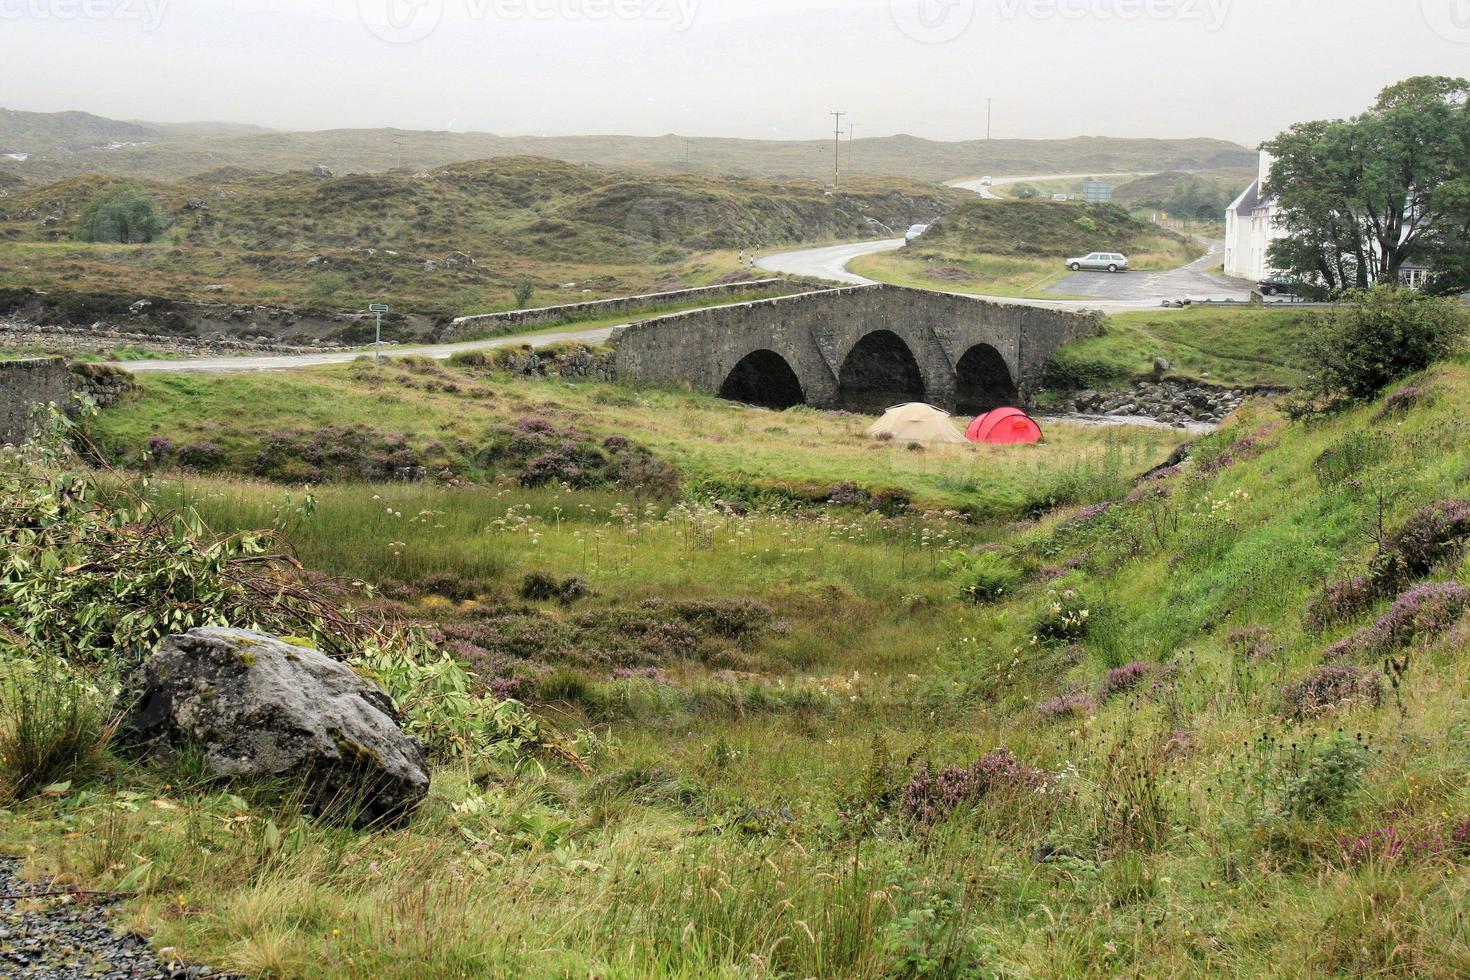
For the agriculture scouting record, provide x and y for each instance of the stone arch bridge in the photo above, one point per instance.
(863, 349)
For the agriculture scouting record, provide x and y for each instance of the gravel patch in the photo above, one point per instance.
(71, 937)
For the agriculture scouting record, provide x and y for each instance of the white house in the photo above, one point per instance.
(1250, 228)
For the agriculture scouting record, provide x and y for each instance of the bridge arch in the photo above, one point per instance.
(763, 378)
(879, 372)
(983, 381)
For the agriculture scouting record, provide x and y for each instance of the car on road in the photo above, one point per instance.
(1100, 262)
(987, 181)
(915, 232)
(1275, 286)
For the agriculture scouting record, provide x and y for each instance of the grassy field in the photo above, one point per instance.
(1206, 770)
(450, 416)
(1223, 346)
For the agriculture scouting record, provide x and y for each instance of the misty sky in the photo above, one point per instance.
(1236, 69)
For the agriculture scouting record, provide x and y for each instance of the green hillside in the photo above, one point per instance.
(574, 232)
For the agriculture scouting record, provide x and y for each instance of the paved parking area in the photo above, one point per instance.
(1195, 281)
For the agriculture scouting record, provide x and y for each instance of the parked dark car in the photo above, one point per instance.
(1276, 286)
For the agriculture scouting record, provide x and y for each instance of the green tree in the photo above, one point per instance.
(1361, 198)
(1378, 337)
(1026, 192)
(525, 291)
(123, 215)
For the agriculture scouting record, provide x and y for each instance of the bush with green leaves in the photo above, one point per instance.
(444, 706)
(985, 577)
(93, 572)
(1378, 337)
(1322, 786)
(124, 215)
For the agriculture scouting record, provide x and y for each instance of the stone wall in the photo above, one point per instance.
(490, 323)
(814, 333)
(23, 386)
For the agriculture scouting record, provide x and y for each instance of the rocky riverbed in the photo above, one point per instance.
(70, 936)
(1179, 403)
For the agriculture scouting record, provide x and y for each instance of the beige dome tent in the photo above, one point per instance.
(917, 422)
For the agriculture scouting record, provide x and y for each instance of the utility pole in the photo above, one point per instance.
(851, 135)
(987, 119)
(837, 149)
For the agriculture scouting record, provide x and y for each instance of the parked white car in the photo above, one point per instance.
(986, 181)
(1100, 262)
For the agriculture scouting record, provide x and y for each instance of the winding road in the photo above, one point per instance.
(1078, 291)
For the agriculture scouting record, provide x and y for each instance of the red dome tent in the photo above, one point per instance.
(1005, 427)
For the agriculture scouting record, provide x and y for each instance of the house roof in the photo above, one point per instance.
(1248, 201)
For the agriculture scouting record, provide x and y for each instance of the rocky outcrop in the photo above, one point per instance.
(260, 708)
(1173, 402)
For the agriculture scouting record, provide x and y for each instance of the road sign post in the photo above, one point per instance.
(377, 310)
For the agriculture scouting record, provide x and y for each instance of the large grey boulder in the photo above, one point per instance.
(260, 708)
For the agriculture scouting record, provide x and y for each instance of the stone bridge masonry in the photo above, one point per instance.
(25, 384)
(863, 349)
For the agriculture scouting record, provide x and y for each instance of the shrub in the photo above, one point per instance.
(1329, 687)
(451, 586)
(1340, 602)
(97, 574)
(124, 215)
(1064, 707)
(1330, 776)
(1377, 337)
(1424, 611)
(986, 577)
(1064, 618)
(1435, 534)
(934, 796)
(543, 587)
(1120, 680)
(848, 495)
(1402, 401)
(53, 726)
(201, 456)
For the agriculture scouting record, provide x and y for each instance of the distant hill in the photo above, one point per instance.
(68, 144)
(304, 238)
(1044, 228)
(63, 135)
(1204, 194)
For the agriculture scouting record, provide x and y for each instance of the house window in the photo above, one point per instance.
(1413, 278)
